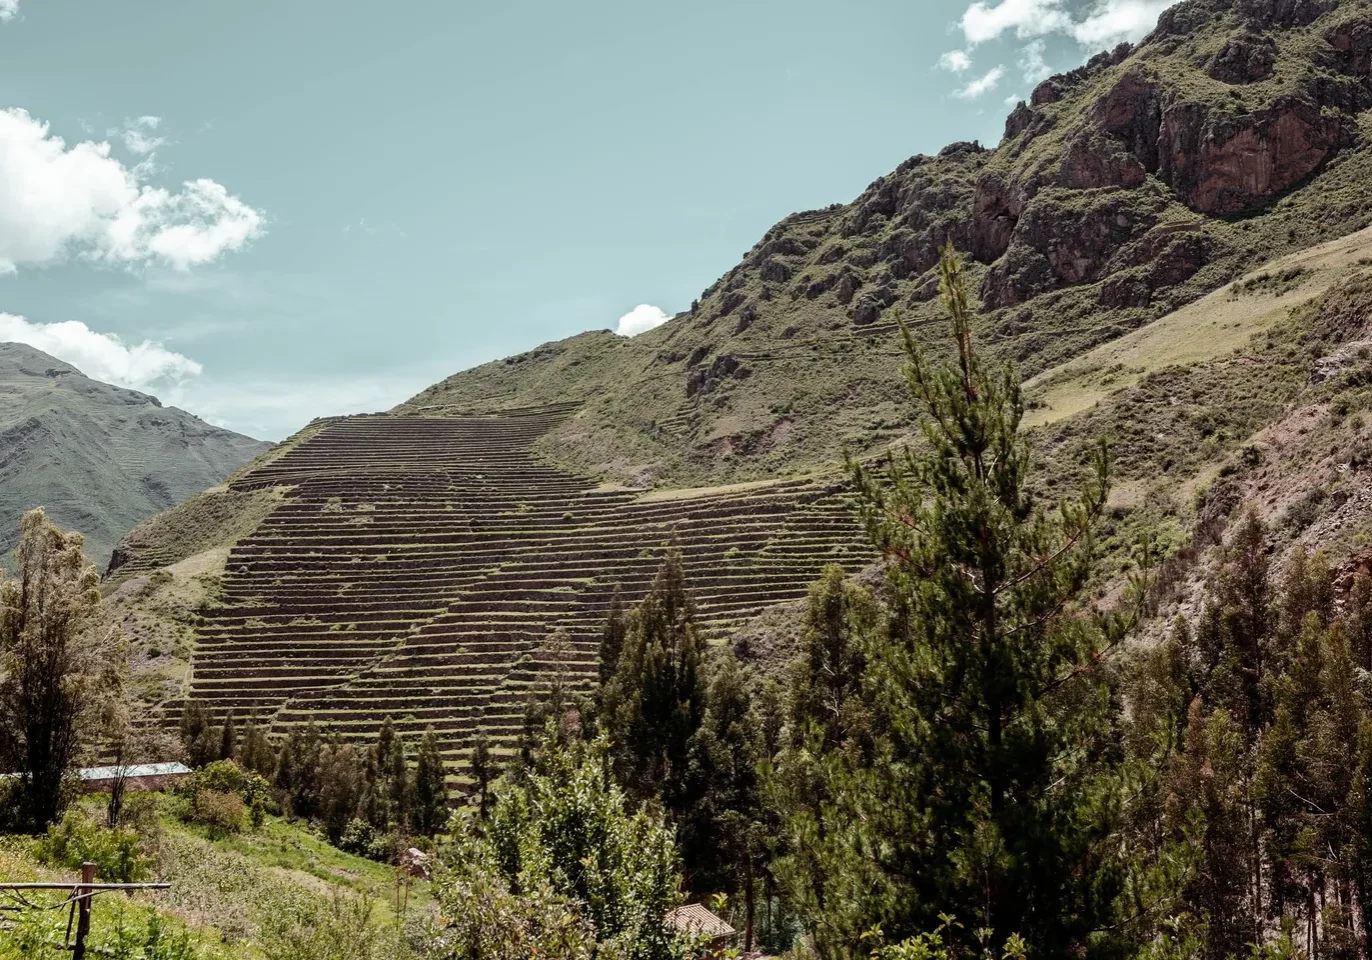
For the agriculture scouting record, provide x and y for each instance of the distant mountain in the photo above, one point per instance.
(100, 458)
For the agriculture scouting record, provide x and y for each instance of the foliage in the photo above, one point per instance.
(59, 664)
(562, 839)
(226, 776)
(301, 926)
(221, 811)
(655, 702)
(975, 777)
(117, 852)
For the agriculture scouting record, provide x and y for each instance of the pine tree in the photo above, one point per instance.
(612, 639)
(430, 812)
(256, 753)
(656, 701)
(194, 722)
(1209, 786)
(398, 782)
(228, 738)
(483, 770)
(987, 786)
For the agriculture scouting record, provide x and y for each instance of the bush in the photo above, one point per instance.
(1303, 512)
(221, 811)
(117, 853)
(365, 840)
(225, 776)
(303, 927)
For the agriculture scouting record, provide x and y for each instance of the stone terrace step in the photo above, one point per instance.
(417, 567)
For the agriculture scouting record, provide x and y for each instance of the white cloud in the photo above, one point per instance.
(982, 84)
(1027, 18)
(641, 319)
(955, 61)
(1032, 63)
(8, 9)
(58, 201)
(102, 356)
(1106, 22)
(1113, 21)
(138, 137)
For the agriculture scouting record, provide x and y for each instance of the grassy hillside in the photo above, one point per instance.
(223, 889)
(1123, 191)
(99, 458)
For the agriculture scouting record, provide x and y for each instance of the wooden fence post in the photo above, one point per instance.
(83, 908)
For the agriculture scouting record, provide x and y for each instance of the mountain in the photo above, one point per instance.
(1121, 191)
(1171, 242)
(101, 459)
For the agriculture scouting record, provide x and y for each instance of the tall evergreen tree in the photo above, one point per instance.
(483, 770)
(985, 793)
(256, 753)
(655, 703)
(612, 639)
(430, 812)
(228, 738)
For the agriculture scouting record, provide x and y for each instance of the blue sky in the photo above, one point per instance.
(266, 212)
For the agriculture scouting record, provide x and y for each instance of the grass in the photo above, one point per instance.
(221, 887)
(1214, 326)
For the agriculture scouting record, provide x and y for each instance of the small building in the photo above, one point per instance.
(696, 920)
(138, 777)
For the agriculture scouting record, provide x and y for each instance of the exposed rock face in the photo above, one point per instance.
(996, 209)
(1060, 240)
(1226, 164)
(1131, 113)
(1352, 43)
(1284, 13)
(708, 380)
(1247, 58)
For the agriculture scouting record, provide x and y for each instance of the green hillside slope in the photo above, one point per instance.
(100, 459)
(1172, 242)
(1123, 190)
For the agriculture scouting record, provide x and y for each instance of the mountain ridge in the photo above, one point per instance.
(1122, 190)
(100, 458)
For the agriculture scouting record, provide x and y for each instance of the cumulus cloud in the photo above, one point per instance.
(981, 85)
(955, 61)
(102, 356)
(1113, 21)
(641, 319)
(1027, 18)
(8, 9)
(1103, 23)
(58, 201)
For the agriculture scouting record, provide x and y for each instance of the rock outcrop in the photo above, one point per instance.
(1228, 164)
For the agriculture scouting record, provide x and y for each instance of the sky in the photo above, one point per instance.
(265, 212)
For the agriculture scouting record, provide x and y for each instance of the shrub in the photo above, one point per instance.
(219, 810)
(1303, 512)
(303, 927)
(365, 840)
(117, 853)
(225, 776)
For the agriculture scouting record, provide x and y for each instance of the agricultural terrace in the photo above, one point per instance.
(434, 570)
